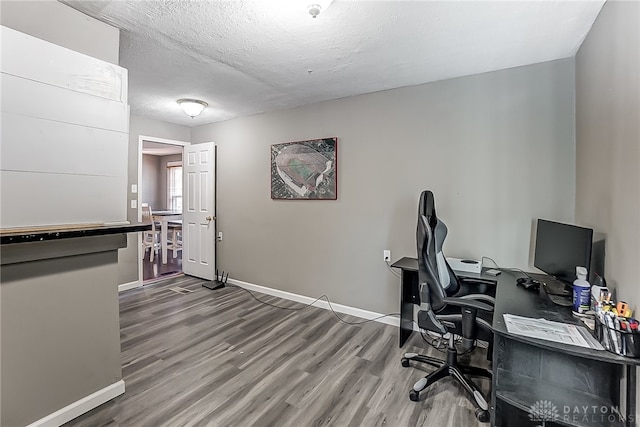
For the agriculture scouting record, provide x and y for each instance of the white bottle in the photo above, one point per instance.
(581, 292)
(598, 286)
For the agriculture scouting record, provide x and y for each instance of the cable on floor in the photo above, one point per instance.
(325, 297)
(440, 343)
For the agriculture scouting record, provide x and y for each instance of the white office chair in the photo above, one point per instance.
(150, 238)
(175, 238)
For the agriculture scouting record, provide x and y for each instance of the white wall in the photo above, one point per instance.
(497, 149)
(62, 25)
(62, 136)
(608, 141)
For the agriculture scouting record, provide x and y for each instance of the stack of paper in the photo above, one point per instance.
(551, 331)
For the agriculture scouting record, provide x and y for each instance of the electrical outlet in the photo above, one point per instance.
(387, 255)
(219, 236)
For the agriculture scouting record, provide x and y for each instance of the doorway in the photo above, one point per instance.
(160, 193)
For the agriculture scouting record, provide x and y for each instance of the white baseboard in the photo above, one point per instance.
(338, 308)
(81, 406)
(130, 285)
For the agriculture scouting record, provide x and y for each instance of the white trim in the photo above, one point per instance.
(162, 140)
(140, 258)
(171, 165)
(141, 139)
(81, 406)
(338, 308)
(130, 285)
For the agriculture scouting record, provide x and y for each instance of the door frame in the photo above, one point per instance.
(141, 139)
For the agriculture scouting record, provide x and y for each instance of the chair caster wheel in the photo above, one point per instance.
(482, 415)
(405, 363)
(414, 396)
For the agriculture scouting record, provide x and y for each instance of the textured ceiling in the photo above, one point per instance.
(247, 57)
(160, 149)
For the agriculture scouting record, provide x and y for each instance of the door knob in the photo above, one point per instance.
(210, 218)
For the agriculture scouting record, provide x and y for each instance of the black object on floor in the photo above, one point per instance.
(220, 282)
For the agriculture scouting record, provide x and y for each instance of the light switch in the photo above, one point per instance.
(134, 188)
(134, 204)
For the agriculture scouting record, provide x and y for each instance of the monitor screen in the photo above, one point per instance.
(560, 248)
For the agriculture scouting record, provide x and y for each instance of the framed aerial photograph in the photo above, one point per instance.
(305, 170)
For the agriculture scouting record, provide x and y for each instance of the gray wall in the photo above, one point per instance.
(154, 180)
(60, 327)
(49, 358)
(498, 150)
(59, 24)
(128, 258)
(150, 186)
(608, 140)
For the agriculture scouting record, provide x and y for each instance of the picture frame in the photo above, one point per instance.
(305, 170)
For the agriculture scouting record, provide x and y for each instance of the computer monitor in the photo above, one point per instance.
(560, 248)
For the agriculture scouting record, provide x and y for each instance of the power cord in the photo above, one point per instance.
(436, 342)
(504, 268)
(395, 273)
(440, 343)
(309, 305)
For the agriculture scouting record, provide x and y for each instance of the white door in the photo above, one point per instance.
(198, 211)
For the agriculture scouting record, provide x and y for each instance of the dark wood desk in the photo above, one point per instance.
(529, 372)
(409, 295)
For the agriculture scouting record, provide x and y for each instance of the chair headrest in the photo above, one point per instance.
(427, 207)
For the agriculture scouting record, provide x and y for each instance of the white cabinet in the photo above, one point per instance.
(65, 125)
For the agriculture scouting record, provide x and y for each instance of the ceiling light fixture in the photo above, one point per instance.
(318, 6)
(192, 107)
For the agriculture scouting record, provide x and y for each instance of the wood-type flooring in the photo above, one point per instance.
(156, 269)
(221, 358)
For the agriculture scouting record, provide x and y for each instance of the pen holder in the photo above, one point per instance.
(624, 343)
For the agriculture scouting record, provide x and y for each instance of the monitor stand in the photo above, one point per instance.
(558, 292)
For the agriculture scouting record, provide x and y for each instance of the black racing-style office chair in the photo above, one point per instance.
(450, 306)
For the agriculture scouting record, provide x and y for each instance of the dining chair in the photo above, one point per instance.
(175, 240)
(150, 238)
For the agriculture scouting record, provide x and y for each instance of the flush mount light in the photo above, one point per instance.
(318, 6)
(192, 107)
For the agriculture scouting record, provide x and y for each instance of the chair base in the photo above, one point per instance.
(451, 368)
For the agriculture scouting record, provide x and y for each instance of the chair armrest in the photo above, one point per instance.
(471, 281)
(469, 303)
(479, 297)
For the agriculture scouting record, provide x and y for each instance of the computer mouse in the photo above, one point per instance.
(528, 283)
